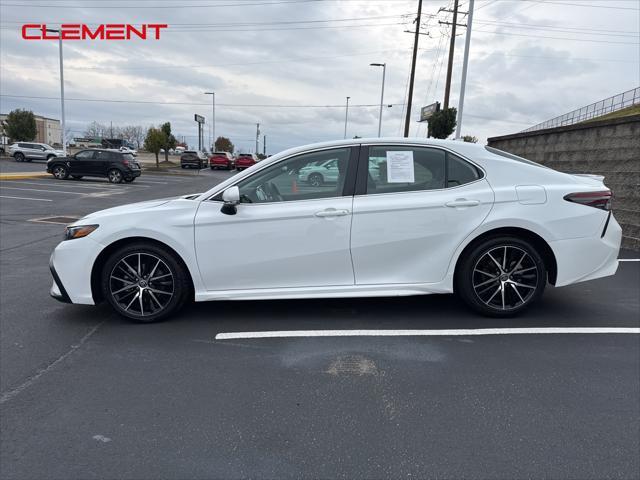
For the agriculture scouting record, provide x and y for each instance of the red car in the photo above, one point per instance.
(222, 160)
(245, 160)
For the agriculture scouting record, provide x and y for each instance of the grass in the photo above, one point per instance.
(625, 112)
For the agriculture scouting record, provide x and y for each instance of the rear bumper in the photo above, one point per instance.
(133, 173)
(581, 259)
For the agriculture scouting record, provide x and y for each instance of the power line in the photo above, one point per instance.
(153, 102)
(609, 7)
(556, 38)
(560, 29)
(279, 2)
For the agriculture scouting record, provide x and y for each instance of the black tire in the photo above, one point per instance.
(213, 168)
(76, 177)
(129, 180)
(61, 172)
(501, 265)
(50, 157)
(316, 180)
(115, 176)
(120, 285)
(19, 157)
(182, 166)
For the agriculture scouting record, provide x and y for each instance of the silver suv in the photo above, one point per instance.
(27, 151)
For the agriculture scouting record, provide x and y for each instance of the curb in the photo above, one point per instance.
(23, 175)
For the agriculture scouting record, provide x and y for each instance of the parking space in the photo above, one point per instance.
(85, 394)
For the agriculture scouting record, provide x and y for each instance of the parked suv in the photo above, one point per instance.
(113, 164)
(191, 158)
(27, 151)
(222, 160)
(245, 160)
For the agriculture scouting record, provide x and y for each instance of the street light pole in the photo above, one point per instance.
(64, 140)
(384, 72)
(346, 118)
(465, 64)
(212, 138)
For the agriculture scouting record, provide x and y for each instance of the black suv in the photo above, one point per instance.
(191, 158)
(114, 165)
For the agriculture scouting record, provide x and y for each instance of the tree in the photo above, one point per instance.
(469, 138)
(442, 123)
(20, 125)
(154, 142)
(95, 130)
(169, 140)
(223, 144)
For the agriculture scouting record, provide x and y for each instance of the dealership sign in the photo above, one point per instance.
(81, 31)
(426, 112)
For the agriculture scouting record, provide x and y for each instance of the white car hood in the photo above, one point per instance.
(133, 207)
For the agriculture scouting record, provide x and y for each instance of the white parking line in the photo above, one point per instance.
(424, 333)
(27, 198)
(48, 183)
(149, 181)
(629, 259)
(47, 191)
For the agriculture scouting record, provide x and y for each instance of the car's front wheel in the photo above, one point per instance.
(316, 180)
(501, 276)
(115, 175)
(144, 282)
(60, 172)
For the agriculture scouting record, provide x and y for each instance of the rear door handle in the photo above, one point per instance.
(332, 212)
(463, 202)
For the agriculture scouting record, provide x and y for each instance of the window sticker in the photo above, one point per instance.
(400, 167)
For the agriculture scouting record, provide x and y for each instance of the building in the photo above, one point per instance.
(49, 130)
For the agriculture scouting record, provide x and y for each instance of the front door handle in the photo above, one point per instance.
(463, 202)
(332, 212)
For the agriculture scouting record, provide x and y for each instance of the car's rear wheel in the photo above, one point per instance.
(19, 157)
(115, 175)
(144, 282)
(60, 172)
(316, 180)
(50, 157)
(501, 276)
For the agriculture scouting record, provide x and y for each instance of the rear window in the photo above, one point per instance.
(191, 152)
(511, 156)
(128, 157)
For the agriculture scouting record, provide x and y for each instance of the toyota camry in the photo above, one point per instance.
(403, 217)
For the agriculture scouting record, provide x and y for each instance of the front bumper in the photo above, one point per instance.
(57, 289)
(71, 263)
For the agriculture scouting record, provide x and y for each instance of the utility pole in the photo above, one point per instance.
(212, 138)
(407, 122)
(465, 63)
(264, 145)
(257, 137)
(346, 118)
(452, 44)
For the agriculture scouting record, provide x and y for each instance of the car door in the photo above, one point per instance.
(32, 151)
(81, 163)
(284, 234)
(412, 209)
(102, 161)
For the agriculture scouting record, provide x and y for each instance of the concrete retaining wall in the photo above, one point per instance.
(607, 147)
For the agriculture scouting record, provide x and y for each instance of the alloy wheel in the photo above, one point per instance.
(60, 172)
(115, 176)
(141, 284)
(505, 277)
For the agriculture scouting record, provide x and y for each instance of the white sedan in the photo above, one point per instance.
(404, 217)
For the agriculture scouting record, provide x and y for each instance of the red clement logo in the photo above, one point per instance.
(80, 31)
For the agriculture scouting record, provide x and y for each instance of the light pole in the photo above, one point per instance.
(384, 72)
(346, 118)
(64, 140)
(212, 139)
(465, 64)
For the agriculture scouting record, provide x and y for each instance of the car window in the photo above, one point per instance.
(394, 169)
(127, 156)
(85, 155)
(298, 178)
(460, 171)
(103, 155)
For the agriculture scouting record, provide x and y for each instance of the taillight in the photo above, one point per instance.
(125, 163)
(601, 200)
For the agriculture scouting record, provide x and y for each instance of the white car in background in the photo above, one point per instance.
(438, 217)
(132, 151)
(27, 151)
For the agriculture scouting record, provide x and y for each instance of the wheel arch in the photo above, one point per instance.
(539, 243)
(98, 264)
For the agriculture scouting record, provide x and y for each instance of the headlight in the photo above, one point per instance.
(78, 231)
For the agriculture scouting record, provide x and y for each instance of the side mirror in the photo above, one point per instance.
(231, 198)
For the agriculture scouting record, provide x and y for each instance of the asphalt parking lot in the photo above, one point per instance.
(85, 394)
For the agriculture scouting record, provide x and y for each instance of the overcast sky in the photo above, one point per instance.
(530, 61)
